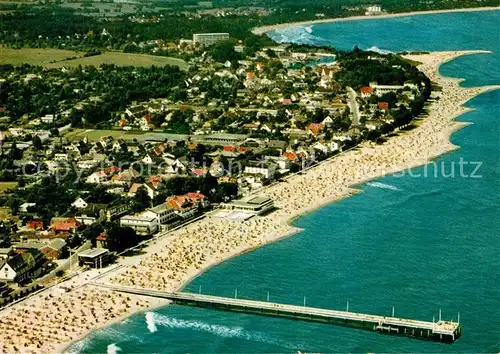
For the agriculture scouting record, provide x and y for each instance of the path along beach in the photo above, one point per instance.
(49, 321)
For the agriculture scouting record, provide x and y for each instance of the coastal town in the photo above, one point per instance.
(225, 131)
(146, 175)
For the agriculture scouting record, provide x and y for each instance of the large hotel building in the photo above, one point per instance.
(209, 38)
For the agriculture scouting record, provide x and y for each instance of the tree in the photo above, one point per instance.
(224, 51)
(37, 142)
(91, 232)
(141, 199)
(120, 238)
(15, 153)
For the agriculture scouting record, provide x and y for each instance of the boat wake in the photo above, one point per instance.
(382, 185)
(218, 330)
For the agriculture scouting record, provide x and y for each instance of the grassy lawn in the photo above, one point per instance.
(7, 185)
(5, 213)
(47, 56)
(34, 56)
(122, 59)
(96, 135)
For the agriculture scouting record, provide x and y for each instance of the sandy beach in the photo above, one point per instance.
(50, 320)
(265, 29)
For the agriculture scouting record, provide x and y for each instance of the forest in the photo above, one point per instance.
(59, 27)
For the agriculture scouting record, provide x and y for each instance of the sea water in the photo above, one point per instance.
(419, 244)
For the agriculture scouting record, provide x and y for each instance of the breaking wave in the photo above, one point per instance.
(298, 34)
(78, 346)
(378, 50)
(113, 349)
(150, 321)
(218, 330)
(382, 185)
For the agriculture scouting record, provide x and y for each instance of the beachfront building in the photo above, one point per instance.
(187, 205)
(207, 39)
(163, 213)
(373, 10)
(380, 90)
(95, 258)
(266, 169)
(143, 224)
(253, 205)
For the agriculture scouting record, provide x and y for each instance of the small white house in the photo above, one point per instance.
(79, 203)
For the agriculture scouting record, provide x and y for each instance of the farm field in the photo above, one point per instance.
(56, 58)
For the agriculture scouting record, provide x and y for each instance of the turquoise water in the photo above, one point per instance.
(419, 244)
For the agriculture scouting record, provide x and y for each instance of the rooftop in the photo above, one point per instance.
(92, 253)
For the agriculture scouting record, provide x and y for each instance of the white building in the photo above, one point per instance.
(254, 205)
(265, 169)
(373, 10)
(48, 119)
(207, 39)
(143, 224)
(97, 177)
(163, 213)
(79, 203)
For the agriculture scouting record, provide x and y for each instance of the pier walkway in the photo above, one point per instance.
(442, 331)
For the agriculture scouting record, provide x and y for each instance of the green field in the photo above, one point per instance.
(34, 56)
(56, 58)
(7, 185)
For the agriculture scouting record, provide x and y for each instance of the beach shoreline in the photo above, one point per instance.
(173, 261)
(264, 29)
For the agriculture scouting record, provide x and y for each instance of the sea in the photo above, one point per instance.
(421, 241)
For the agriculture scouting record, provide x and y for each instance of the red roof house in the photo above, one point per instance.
(366, 91)
(316, 128)
(383, 105)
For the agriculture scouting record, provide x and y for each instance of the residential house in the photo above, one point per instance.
(5, 253)
(63, 225)
(136, 111)
(125, 177)
(22, 266)
(366, 91)
(48, 119)
(315, 129)
(133, 189)
(100, 212)
(80, 203)
(102, 176)
(54, 249)
(383, 106)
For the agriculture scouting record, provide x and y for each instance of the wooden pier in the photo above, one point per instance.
(441, 331)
